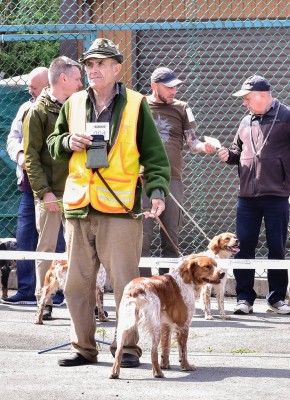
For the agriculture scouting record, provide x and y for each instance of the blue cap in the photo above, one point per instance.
(255, 83)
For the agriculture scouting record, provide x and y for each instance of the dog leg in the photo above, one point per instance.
(165, 346)
(115, 373)
(205, 297)
(45, 295)
(100, 304)
(156, 370)
(220, 296)
(128, 319)
(5, 269)
(46, 292)
(182, 336)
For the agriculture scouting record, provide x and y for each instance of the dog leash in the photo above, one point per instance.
(133, 215)
(167, 234)
(189, 216)
(128, 211)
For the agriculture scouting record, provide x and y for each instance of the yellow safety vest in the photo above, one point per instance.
(83, 186)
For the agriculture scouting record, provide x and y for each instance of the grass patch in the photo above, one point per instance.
(243, 351)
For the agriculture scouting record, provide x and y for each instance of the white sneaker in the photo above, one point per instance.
(243, 307)
(280, 307)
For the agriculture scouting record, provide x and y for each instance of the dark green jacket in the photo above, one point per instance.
(45, 174)
(152, 153)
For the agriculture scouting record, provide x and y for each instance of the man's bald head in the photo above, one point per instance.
(37, 80)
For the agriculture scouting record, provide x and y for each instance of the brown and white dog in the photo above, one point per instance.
(161, 305)
(221, 246)
(55, 279)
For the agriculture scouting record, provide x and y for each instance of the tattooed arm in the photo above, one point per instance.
(196, 146)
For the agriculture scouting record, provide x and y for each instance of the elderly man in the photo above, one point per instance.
(26, 233)
(47, 176)
(106, 131)
(261, 151)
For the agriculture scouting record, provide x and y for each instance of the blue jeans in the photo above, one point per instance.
(250, 213)
(27, 237)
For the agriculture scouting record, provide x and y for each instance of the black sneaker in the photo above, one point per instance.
(47, 313)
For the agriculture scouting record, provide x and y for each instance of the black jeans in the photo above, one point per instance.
(250, 213)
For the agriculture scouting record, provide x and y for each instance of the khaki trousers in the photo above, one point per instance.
(47, 225)
(114, 242)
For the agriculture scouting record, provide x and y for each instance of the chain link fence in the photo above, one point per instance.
(211, 45)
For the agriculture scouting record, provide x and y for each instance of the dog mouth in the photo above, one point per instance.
(215, 282)
(232, 249)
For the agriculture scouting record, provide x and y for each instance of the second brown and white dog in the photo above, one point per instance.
(161, 305)
(221, 246)
(55, 279)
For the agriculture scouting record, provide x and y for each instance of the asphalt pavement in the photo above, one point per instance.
(246, 357)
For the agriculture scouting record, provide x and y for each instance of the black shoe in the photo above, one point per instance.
(74, 360)
(129, 361)
(47, 313)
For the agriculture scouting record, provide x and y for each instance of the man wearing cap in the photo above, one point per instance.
(176, 125)
(261, 151)
(106, 131)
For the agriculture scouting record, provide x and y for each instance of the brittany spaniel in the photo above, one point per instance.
(161, 305)
(221, 246)
(55, 279)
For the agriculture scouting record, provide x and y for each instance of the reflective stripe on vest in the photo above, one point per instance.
(83, 186)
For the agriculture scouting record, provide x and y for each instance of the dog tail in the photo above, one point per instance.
(143, 310)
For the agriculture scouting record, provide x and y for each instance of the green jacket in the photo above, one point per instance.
(45, 174)
(152, 153)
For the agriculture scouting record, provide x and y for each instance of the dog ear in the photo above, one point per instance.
(187, 269)
(214, 244)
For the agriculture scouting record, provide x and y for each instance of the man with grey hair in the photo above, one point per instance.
(47, 176)
(261, 151)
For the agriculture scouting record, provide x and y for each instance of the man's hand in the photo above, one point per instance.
(223, 154)
(50, 202)
(78, 142)
(208, 148)
(21, 159)
(158, 206)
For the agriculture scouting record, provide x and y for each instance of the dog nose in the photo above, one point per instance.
(222, 274)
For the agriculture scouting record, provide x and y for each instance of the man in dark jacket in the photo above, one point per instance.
(261, 149)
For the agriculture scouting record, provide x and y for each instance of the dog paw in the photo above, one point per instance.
(114, 376)
(209, 317)
(224, 316)
(188, 367)
(158, 374)
(103, 318)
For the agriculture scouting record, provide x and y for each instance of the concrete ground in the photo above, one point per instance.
(246, 357)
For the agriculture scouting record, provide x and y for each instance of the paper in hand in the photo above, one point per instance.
(215, 142)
